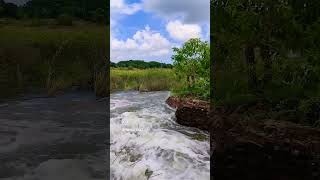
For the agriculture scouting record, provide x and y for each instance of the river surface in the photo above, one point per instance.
(147, 143)
(54, 138)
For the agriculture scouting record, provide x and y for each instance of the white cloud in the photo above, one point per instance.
(183, 32)
(185, 19)
(190, 11)
(121, 7)
(145, 44)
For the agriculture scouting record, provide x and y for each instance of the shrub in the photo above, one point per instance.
(191, 64)
(65, 20)
(38, 22)
(288, 104)
(310, 109)
(99, 16)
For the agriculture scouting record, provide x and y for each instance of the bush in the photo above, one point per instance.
(65, 20)
(288, 104)
(191, 64)
(237, 99)
(99, 16)
(310, 109)
(38, 22)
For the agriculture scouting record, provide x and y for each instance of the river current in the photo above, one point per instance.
(147, 143)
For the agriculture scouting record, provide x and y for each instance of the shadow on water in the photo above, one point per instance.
(40, 135)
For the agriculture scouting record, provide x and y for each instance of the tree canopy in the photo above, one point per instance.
(192, 65)
(267, 50)
(140, 64)
(92, 10)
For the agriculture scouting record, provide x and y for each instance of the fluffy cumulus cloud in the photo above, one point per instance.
(179, 21)
(182, 32)
(121, 7)
(145, 44)
(191, 11)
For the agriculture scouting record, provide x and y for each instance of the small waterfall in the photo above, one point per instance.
(147, 143)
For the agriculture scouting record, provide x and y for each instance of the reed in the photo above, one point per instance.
(49, 56)
(157, 79)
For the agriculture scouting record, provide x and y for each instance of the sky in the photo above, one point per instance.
(149, 29)
(18, 2)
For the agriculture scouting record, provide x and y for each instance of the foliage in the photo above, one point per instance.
(192, 65)
(89, 10)
(140, 64)
(9, 9)
(266, 50)
(65, 20)
(99, 15)
(311, 110)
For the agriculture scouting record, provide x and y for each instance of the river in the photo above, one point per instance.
(147, 143)
(53, 138)
(64, 137)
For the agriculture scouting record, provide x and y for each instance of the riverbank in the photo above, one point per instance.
(252, 147)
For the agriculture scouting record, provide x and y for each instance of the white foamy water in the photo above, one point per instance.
(147, 143)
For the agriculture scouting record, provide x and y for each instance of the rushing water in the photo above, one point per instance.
(147, 143)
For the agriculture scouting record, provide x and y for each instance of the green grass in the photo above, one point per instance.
(142, 80)
(50, 56)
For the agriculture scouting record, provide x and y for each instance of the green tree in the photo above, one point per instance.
(267, 25)
(192, 63)
(99, 15)
(253, 45)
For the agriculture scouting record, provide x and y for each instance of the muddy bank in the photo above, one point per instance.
(190, 112)
(248, 147)
(60, 137)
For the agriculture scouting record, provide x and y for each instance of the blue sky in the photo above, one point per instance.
(149, 29)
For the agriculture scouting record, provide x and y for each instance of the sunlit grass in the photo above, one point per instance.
(142, 80)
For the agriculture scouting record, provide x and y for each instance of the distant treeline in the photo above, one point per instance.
(90, 10)
(139, 64)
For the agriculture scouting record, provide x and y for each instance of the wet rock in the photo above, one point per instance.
(190, 112)
(192, 117)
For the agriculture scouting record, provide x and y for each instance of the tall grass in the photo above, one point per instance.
(49, 56)
(142, 80)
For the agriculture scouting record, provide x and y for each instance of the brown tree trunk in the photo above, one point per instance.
(193, 80)
(251, 67)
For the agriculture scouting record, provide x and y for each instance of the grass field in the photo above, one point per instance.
(42, 54)
(142, 79)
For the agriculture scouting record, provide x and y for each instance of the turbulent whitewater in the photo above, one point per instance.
(147, 143)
